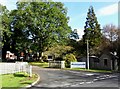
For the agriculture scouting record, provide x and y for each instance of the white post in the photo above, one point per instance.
(62, 64)
(87, 55)
(30, 71)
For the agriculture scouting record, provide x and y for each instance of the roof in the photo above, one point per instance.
(112, 55)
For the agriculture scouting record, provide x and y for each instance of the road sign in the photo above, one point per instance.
(78, 65)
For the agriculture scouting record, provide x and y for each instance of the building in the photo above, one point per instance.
(107, 61)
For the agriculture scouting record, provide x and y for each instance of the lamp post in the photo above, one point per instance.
(87, 55)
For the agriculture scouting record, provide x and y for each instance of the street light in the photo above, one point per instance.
(87, 55)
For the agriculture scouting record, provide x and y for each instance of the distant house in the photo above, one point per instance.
(93, 60)
(107, 61)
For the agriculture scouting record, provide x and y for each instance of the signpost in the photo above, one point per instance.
(78, 65)
(87, 55)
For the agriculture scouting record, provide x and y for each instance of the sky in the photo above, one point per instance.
(106, 12)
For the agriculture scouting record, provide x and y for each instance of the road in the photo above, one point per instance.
(58, 78)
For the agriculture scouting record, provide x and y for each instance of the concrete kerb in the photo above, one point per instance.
(38, 79)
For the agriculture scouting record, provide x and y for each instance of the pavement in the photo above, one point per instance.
(69, 79)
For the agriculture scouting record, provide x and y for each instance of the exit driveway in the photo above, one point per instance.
(58, 78)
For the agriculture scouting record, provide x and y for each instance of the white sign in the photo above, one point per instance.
(78, 65)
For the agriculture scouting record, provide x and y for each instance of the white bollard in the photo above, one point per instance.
(30, 71)
(62, 64)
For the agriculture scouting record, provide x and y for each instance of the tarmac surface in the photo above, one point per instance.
(70, 79)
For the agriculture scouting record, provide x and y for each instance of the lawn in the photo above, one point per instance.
(44, 65)
(17, 80)
(40, 64)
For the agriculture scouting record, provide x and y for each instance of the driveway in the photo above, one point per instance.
(58, 78)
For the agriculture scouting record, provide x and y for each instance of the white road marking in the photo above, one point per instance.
(95, 79)
(82, 82)
(89, 82)
(102, 78)
(89, 74)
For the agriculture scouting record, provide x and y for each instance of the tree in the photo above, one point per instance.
(5, 31)
(118, 49)
(74, 35)
(110, 32)
(92, 31)
(58, 50)
(19, 37)
(69, 58)
(44, 23)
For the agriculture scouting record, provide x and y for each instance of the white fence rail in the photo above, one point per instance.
(57, 64)
(6, 68)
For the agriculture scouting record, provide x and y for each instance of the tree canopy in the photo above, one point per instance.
(38, 25)
(92, 31)
(5, 29)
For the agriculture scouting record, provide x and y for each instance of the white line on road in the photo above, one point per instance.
(89, 74)
(82, 82)
(102, 78)
(89, 82)
(95, 79)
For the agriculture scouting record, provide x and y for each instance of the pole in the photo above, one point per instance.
(87, 55)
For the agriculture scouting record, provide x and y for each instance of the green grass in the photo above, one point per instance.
(44, 64)
(90, 70)
(17, 80)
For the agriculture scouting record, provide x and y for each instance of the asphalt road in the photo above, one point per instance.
(59, 79)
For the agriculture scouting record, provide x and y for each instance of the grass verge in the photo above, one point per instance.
(90, 70)
(43, 64)
(17, 80)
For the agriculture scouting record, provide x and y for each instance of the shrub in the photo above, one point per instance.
(44, 58)
(69, 58)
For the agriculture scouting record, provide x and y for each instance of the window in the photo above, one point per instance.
(105, 62)
(49, 57)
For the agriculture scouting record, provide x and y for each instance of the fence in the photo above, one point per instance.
(6, 68)
(57, 64)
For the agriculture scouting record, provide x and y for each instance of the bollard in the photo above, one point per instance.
(30, 71)
(62, 64)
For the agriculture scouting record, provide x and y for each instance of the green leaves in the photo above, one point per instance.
(38, 25)
(92, 30)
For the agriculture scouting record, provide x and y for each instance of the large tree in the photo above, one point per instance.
(43, 23)
(5, 31)
(118, 48)
(110, 32)
(92, 31)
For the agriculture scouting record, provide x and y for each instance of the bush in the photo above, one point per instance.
(44, 58)
(68, 59)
